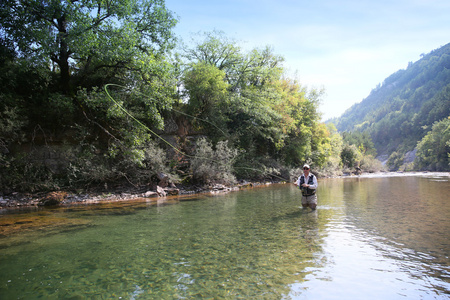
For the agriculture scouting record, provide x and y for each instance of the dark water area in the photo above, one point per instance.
(370, 238)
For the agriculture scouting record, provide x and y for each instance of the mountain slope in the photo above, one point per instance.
(398, 113)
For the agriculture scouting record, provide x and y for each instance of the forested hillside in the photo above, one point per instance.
(402, 110)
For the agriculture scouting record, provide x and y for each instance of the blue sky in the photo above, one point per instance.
(344, 46)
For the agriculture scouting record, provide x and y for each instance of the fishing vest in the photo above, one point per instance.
(307, 191)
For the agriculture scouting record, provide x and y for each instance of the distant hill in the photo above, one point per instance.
(400, 111)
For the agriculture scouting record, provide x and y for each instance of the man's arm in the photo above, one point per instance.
(314, 185)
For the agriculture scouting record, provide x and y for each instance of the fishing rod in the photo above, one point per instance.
(167, 142)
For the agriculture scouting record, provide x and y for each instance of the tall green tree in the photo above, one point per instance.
(58, 55)
(248, 76)
(305, 138)
(361, 140)
(268, 115)
(205, 88)
(75, 47)
(77, 39)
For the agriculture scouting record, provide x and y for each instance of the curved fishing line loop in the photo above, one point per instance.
(194, 117)
(167, 142)
(173, 109)
(136, 120)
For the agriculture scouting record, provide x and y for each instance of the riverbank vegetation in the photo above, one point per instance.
(100, 94)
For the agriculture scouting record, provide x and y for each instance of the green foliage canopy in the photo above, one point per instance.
(433, 151)
(205, 87)
(265, 113)
(80, 38)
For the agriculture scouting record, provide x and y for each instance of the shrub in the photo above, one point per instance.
(22, 174)
(135, 165)
(213, 165)
(350, 156)
(11, 123)
(371, 164)
(395, 161)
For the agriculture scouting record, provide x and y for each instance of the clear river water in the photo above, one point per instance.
(370, 238)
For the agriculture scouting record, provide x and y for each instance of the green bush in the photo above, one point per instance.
(11, 123)
(135, 165)
(213, 165)
(371, 164)
(395, 161)
(350, 156)
(21, 174)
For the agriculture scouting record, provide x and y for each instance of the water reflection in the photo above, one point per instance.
(369, 239)
(393, 242)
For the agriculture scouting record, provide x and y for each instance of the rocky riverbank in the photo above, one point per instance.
(163, 189)
(18, 200)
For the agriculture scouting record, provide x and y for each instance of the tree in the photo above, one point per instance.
(254, 68)
(362, 140)
(55, 58)
(215, 49)
(77, 39)
(395, 161)
(350, 156)
(73, 48)
(305, 138)
(433, 151)
(248, 108)
(205, 87)
(270, 116)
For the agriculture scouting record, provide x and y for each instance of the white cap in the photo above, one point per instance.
(306, 166)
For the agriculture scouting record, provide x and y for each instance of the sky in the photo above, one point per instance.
(347, 47)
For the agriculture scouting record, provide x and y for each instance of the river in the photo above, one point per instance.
(370, 238)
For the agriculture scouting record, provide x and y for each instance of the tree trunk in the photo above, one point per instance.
(64, 54)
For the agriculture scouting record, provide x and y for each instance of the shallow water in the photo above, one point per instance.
(370, 238)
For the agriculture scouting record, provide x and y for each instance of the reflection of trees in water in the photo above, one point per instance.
(404, 218)
(408, 210)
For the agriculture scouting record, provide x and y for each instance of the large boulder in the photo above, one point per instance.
(160, 191)
(172, 191)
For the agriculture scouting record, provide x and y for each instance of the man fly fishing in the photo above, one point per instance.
(307, 182)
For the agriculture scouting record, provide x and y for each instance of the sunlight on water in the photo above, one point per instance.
(371, 238)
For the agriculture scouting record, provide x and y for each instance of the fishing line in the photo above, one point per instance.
(167, 142)
(180, 112)
(137, 121)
